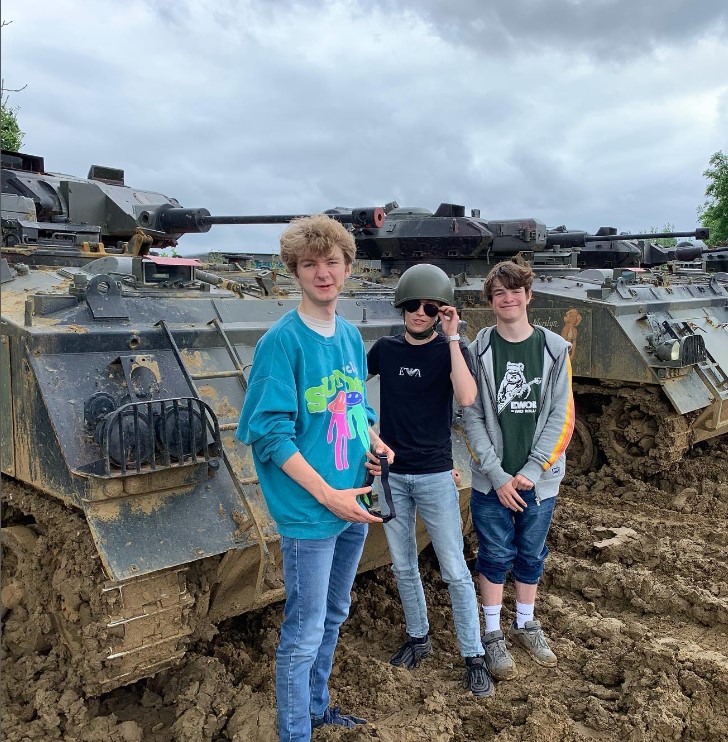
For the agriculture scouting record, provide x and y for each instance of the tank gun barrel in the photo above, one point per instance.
(362, 217)
(702, 233)
(176, 220)
(609, 234)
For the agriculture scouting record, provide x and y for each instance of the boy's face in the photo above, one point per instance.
(322, 279)
(509, 305)
(419, 320)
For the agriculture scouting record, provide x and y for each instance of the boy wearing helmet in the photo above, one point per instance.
(518, 430)
(420, 372)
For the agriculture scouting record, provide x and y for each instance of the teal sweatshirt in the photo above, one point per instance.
(306, 393)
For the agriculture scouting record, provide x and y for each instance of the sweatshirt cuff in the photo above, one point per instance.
(283, 453)
(532, 471)
(498, 477)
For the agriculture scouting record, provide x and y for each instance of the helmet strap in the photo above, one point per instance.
(421, 335)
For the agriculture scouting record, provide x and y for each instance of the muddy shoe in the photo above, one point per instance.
(498, 659)
(335, 717)
(411, 652)
(531, 638)
(477, 679)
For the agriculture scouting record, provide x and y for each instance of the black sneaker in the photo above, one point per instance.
(335, 717)
(411, 652)
(477, 679)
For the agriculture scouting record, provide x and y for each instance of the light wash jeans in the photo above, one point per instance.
(318, 575)
(435, 498)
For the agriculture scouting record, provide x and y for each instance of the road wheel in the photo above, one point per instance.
(641, 434)
(581, 455)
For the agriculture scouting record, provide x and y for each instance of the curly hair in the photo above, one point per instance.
(511, 276)
(315, 236)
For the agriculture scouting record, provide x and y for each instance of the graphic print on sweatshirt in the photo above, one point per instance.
(515, 390)
(341, 394)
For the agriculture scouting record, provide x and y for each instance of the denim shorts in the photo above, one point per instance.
(510, 541)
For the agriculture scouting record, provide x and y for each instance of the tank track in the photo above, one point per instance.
(113, 633)
(637, 430)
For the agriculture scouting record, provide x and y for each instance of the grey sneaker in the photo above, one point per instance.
(531, 638)
(498, 659)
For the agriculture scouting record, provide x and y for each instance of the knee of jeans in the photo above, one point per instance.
(336, 615)
(455, 571)
(528, 570)
(410, 572)
(301, 639)
(304, 646)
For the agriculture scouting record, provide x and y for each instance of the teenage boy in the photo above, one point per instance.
(306, 393)
(518, 430)
(420, 371)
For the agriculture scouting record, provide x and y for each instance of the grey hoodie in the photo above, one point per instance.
(554, 425)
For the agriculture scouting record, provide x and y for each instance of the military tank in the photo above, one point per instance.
(648, 324)
(133, 522)
(132, 518)
(649, 360)
(469, 244)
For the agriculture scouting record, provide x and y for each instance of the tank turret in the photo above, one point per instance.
(609, 249)
(654, 254)
(470, 244)
(710, 259)
(64, 219)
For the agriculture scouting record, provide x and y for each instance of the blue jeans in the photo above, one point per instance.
(511, 541)
(435, 498)
(318, 575)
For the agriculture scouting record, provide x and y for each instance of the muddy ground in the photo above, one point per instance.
(634, 598)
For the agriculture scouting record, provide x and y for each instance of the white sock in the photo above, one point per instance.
(524, 612)
(492, 617)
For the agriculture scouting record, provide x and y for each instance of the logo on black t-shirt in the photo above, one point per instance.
(404, 371)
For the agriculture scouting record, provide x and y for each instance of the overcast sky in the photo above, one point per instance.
(576, 112)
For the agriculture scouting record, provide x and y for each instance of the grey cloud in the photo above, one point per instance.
(609, 30)
(228, 106)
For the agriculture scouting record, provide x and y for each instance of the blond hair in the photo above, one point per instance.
(315, 236)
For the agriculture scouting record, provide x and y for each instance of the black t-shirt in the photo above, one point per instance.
(416, 398)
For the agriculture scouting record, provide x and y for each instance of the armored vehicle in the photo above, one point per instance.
(132, 517)
(459, 243)
(650, 347)
(649, 358)
(715, 259)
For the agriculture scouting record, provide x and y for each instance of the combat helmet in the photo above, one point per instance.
(424, 281)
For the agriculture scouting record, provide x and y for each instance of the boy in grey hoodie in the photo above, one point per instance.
(518, 430)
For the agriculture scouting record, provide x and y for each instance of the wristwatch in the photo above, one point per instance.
(451, 338)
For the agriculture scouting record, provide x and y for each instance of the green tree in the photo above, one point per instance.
(12, 135)
(714, 212)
